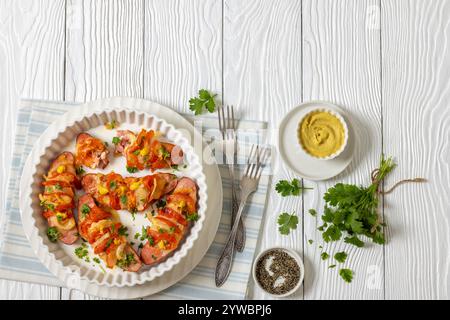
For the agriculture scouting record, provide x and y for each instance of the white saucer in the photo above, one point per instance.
(297, 159)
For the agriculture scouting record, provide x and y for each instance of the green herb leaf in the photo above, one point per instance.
(52, 234)
(312, 212)
(81, 252)
(340, 257)
(192, 216)
(332, 234)
(79, 170)
(123, 231)
(286, 188)
(346, 274)
(115, 140)
(324, 256)
(204, 100)
(310, 241)
(332, 266)
(287, 222)
(354, 241)
(132, 169)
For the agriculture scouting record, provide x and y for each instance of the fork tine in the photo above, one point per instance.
(265, 156)
(232, 118)
(250, 154)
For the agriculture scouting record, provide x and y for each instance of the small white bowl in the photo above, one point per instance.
(294, 255)
(341, 120)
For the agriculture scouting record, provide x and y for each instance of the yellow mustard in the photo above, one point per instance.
(321, 134)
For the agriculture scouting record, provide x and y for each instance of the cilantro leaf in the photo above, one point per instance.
(354, 241)
(286, 188)
(340, 257)
(346, 274)
(204, 99)
(312, 212)
(287, 222)
(324, 256)
(332, 266)
(332, 234)
(52, 234)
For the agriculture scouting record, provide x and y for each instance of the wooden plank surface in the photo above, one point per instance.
(31, 65)
(341, 59)
(105, 47)
(262, 78)
(416, 117)
(183, 50)
(266, 57)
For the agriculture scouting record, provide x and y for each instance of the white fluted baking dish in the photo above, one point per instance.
(59, 137)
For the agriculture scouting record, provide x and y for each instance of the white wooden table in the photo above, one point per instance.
(386, 61)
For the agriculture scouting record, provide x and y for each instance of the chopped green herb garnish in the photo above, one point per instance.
(132, 169)
(79, 170)
(115, 140)
(113, 185)
(85, 209)
(192, 216)
(312, 212)
(81, 252)
(96, 260)
(346, 274)
(310, 241)
(125, 262)
(324, 256)
(340, 257)
(332, 266)
(108, 243)
(123, 231)
(123, 199)
(52, 234)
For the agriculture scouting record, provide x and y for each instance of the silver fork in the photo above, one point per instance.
(227, 127)
(249, 184)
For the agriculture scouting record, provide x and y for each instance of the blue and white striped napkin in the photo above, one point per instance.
(18, 262)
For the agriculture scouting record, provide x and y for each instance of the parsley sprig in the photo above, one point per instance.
(292, 188)
(204, 100)
(287, 222)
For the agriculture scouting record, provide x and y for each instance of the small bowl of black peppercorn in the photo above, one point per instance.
(278, 271)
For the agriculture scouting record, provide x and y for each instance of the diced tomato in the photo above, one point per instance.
(97, 214)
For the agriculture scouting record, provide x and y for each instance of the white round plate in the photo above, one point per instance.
(297, 159)
(69, 273)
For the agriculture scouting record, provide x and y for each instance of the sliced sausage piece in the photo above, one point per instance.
(151, 255)
(176, 155)
(90, 182)
(137, 264)
(188, 187)
(91, 152)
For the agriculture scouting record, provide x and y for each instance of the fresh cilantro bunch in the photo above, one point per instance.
(352, 211)
(204, 100)
(286, 222)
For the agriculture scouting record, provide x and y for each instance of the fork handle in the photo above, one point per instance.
(225, 262)
(240, 236)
